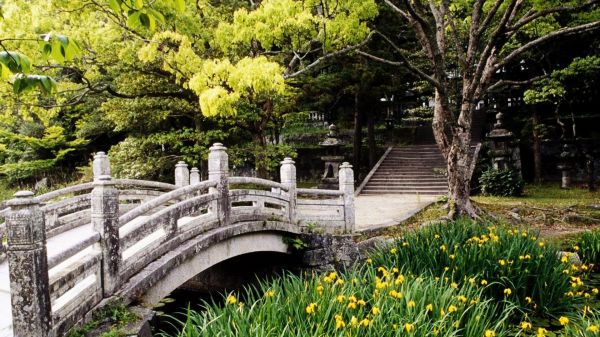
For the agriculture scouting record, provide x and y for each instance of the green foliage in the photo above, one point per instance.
(267, 158)
(141, 14)
(59, 47)
(154, 156)
(589, 246)
(369, 301)
(295, 242)
(115, 314)
(13, 62)
(574, 80)
(500, 258)
(504, 183)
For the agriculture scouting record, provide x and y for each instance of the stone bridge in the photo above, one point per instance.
(69, 250)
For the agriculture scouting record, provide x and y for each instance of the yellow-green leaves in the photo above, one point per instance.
(257, 76)
(143, 15)
(218, 101)
(59, 47)
(295, 24)
(220, 84)
(176, 53)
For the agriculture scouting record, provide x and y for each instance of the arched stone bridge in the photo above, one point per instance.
(70, 249)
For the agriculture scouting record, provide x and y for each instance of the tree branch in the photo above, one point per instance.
(397, 9)
(329, 56)
(405, 61)
(176, 94)
(554, 35)
(502, 83)
(532, 15)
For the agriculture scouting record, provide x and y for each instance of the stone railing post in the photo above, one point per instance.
(105, 221)
(218, 171)
(346, 176)
(194, 176)
(28, 267)
(182, 174)
(288, 178)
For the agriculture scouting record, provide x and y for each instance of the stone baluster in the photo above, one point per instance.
(218, 171)
(182, 174)
(194, 176)
(346, 176)
(105, 221)
(288, 178)
(28, 267)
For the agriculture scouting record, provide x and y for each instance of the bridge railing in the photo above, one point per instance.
(133, 223)
(69, 207)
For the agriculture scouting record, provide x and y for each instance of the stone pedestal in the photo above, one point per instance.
(105, 221)
(218, 171)
(332, 161)
(566, 165)
(288, 178)
(329, 179)
(194, 176)
(182, 174)
(28, 267)
(346, 176)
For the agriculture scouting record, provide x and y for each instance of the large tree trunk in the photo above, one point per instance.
(537, 148)
(454, 142)
(357, 137)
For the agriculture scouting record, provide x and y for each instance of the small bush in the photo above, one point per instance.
(502, 183)
(589, 246)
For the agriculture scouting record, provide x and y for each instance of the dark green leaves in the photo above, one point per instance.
(13, 62)
(23, 83)
(53, 46)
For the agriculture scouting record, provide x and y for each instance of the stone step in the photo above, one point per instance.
(387, 166)
(408, 174)
(431, 170)
(370, 192)
(414, 160)
(380, 187)
(405, 184)
(408, 179)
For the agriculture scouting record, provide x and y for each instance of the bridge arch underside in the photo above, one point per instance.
(198, 254)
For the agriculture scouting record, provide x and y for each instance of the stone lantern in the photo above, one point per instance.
(505, 151)
(332, 159)
(567, 161)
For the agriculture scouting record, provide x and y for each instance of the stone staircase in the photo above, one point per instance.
(412, 169)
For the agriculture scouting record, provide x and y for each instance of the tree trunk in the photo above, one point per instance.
(260, 156)
(371, 140)
(537, 148)
(456, 150)
(357, 137)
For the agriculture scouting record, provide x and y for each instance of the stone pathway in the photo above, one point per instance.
(383, 210)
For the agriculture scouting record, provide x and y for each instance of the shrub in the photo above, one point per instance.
(589, 246)
(500, 258)
(503, 183)
(372, 301)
